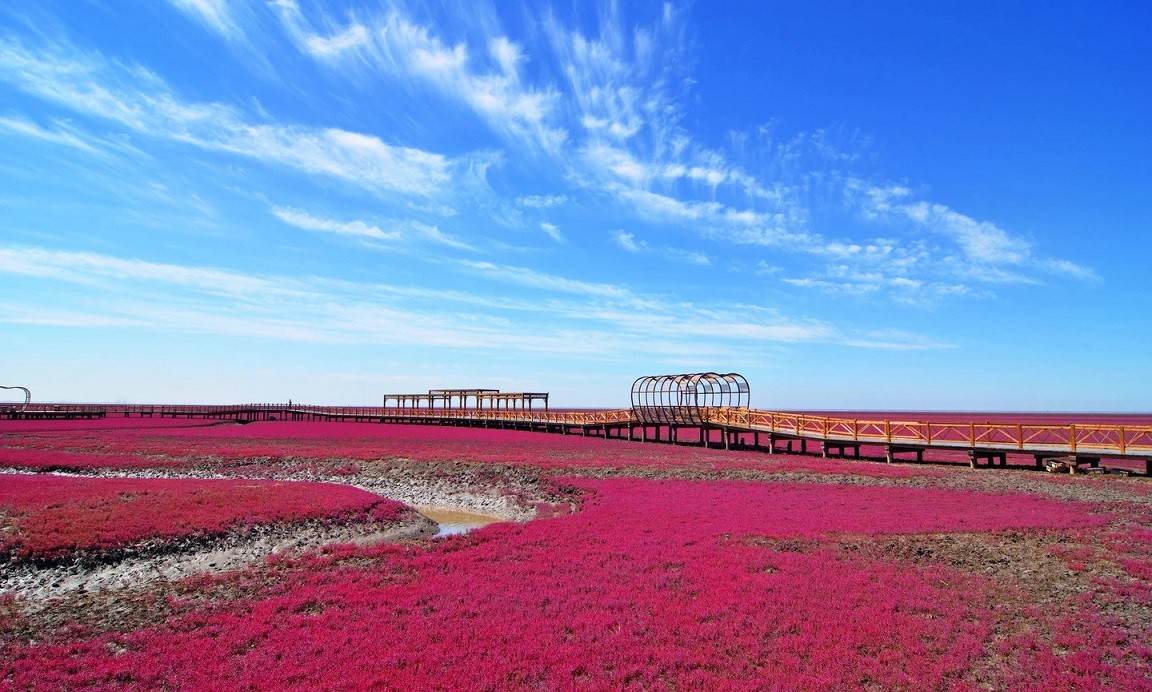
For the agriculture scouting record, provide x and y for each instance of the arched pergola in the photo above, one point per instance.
(27, 399)
(679, 399)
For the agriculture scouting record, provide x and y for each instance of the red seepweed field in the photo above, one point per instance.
(51, 517)
(650, 565)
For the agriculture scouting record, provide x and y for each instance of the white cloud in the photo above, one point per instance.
(552, 231)
(620, 163)
(981, 241)
(881, 199)
(507, 54)
(210, 300)
(214, 14)
(1072, 269)
(27, 128)
(599, 321)
(687, 256)
(405, 230)
(141, 101)
(622, 77)
(618, 88)
(14, 313)
(753, 324)
(627, 241)
(849, 280)
(354, 37)
(662, 207)
(542, 201)
(435, 235)
(612, 113)
(86, 267)
(893, 340)
(531, 278)
(308, 222)
(618, 78)
(489, 82)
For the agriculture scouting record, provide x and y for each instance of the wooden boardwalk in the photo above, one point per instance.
(1069, 446)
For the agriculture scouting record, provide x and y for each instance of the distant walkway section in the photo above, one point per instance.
(1071, 446)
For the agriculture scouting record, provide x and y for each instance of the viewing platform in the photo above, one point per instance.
(466, 399)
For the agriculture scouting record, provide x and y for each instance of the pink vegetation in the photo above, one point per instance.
(35, 427)
(369, 441)
(51, 460)
(654, 584)
(48, 517)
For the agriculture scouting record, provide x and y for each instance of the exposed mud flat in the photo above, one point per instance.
(455, 497)
(180, 559)
(506, 498)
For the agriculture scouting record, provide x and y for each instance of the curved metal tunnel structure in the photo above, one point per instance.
(680, 399)
(27, 399)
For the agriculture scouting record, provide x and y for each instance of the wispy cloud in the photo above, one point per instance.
(308, 308)
(981, 241)
(434, 234)
(628, 94)
(58, 135)
(486, 77)
(1071, 269)
(355, 228)
(845, 281)
(894, 340)
(408, 230)
(687, 256)
(628, 242)
(427, 126)
(553, 231)
(608, 104)
(139, 100)
(541, 201)
(184, 298)
(530, 278)
(979, 251)
(90, 267)
(334, 45)
(213, 14)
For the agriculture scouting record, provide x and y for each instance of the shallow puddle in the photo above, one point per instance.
(455, 521)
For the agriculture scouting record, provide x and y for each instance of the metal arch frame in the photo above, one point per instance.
(679, 399)
(27, 397)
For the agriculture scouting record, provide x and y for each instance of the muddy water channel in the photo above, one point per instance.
(456, 521)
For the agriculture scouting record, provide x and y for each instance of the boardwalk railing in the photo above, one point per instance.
(1076, 438)
(1086, 440)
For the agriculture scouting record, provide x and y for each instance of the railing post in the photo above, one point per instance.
(972, 434)
(1123, 442)
(1072, 437)
(1020, 435)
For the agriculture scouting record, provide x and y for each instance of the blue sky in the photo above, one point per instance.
(872, 205)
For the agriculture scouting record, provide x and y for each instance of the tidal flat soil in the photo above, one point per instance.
(621, 564)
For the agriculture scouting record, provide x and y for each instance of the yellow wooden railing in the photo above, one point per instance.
(1025, 437)
(1085, 438)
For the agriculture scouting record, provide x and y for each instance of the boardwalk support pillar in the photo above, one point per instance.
(975, 455)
